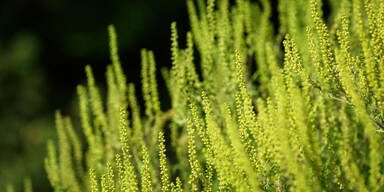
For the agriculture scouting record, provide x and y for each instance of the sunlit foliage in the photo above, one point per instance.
(299, 107)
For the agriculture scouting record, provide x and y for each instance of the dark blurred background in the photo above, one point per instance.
(44, 46)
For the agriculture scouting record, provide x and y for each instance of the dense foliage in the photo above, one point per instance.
(308, 118)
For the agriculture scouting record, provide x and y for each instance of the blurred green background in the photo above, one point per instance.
(44, 46)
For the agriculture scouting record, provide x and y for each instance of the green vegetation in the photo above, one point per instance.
(310, 118)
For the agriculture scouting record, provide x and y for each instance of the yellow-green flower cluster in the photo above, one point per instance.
(250, 116)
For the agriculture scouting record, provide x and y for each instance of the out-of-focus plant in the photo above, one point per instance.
(24, 123)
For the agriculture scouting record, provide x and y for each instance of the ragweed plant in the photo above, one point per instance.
(246, 114)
